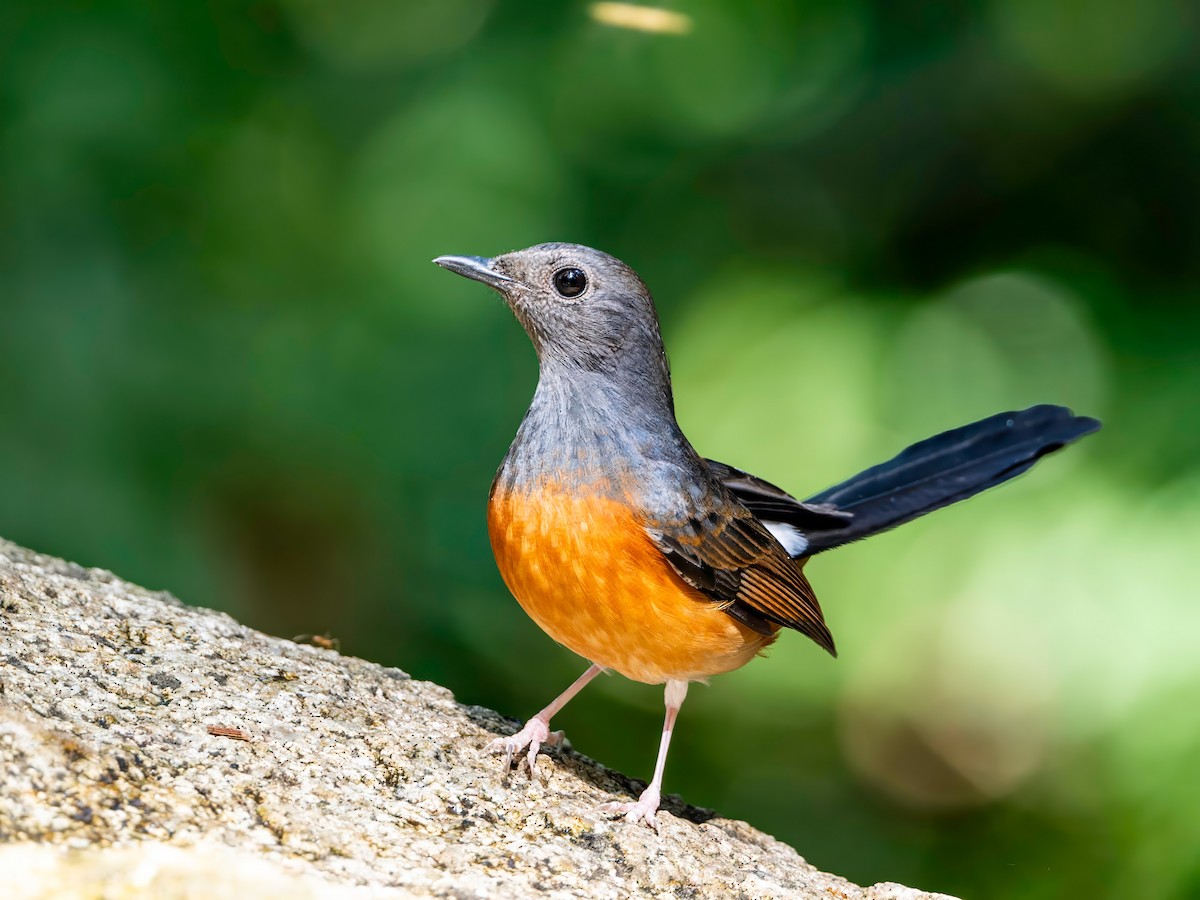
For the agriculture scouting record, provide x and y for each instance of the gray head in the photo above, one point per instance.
(585, 311)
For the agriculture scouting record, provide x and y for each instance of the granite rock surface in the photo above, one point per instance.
(152, 749)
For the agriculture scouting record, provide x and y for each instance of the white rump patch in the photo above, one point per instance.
(791, 537)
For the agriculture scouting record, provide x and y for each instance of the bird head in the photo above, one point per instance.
(584, 310)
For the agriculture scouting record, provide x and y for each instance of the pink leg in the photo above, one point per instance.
(647, 805)
(537, 730)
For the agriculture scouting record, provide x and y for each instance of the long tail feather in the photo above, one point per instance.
(944, 469)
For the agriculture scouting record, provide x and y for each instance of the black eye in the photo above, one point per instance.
(570, 282)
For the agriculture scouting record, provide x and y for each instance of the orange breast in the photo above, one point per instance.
(584, 569)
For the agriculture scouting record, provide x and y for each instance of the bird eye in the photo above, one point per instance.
(570, 282)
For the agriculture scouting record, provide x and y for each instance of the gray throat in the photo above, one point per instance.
(586, 425)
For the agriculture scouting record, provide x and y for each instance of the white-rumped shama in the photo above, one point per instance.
(632, 550)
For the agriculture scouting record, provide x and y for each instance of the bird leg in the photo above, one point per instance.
(536, 732)
(645, 807)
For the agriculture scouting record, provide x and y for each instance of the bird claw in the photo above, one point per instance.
(535, 735)
(642, 811)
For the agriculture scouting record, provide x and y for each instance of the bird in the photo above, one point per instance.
(641, 556)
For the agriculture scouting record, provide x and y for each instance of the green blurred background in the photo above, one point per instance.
(228, 369)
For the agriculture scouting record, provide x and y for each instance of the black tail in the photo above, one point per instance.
(945, 469)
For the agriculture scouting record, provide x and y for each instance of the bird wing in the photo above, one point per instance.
(731, 557)
(788, 519)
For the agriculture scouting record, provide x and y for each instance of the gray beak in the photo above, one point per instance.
(476, 268)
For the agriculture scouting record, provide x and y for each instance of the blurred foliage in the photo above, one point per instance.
(227, 368)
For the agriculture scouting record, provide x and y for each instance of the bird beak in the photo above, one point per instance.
(476, 268)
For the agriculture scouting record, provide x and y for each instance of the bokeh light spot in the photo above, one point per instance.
(653, 19)
(1088, 49)
(368, 34)
(1002, 340)
(770, 389)
(469, 173)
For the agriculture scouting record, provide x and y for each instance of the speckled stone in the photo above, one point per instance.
(331, 775)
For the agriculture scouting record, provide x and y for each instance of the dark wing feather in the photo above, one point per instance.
(773, 504)
(730, 556)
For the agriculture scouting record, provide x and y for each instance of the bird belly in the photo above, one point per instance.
(584, 569)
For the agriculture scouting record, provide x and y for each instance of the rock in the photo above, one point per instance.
(148, 748)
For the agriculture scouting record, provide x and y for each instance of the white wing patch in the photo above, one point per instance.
(789, 536)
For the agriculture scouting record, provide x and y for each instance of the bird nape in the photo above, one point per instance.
(629, 548)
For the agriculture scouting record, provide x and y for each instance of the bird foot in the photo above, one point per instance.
(642, 811)
(535, 735)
